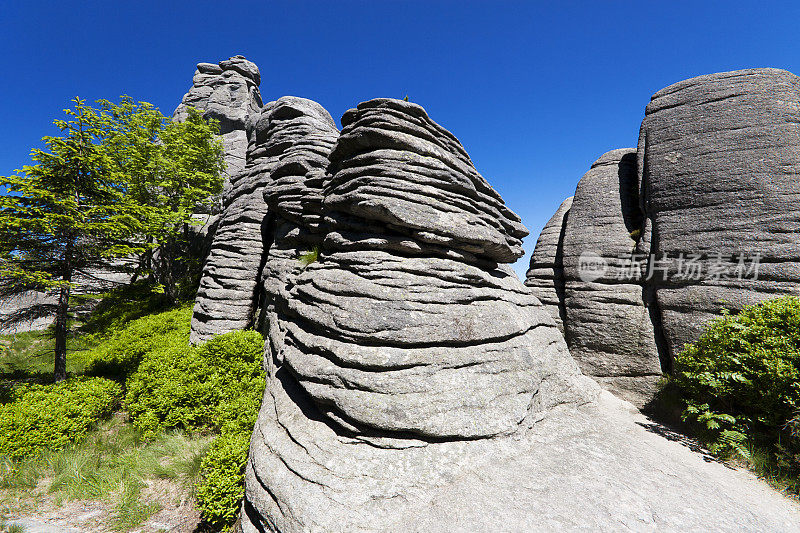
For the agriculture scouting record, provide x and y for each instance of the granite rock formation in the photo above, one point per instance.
(288, 138)
(545, 276)
(709, 197)
(409, 348)
(413, 384)
(227, 92)
(607, 326)
(720, 170)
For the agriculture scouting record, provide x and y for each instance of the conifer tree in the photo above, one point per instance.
(121, 181)
(64, 214)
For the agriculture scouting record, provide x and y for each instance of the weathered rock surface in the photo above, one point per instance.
(413, 384)
(408, 350)
(607, 327)
(716, 178)
(721, 169)
(26, 311)
(545, 275)
(227, 92)
(287, 138)
(597, 467)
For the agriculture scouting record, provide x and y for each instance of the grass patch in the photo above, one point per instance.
(113, 464)
(29, 356)
(6, 527)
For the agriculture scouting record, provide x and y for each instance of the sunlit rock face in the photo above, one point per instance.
(706, 204)
(227, 92)
(545, 275)
(407, 341)
(608, 328)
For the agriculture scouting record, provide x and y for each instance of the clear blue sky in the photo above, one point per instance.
(535, 91)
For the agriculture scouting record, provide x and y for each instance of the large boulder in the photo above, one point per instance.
(721, 176)
(409, 350)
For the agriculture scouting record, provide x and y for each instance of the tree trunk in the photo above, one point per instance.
(167, 270)
(60, 367)
(62, 315)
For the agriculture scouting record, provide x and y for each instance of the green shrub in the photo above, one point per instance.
(220, 492)
(309, 257)
(120, 353)
(216, 386)
(740, 382)
(48, 417)
(197, 387)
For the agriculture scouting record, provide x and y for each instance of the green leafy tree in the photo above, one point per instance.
(174, 170)
(121, 181)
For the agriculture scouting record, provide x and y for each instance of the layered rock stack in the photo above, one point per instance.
(409, 348)
(701, 218)
(291, 140)
(721, 175)
(413, 384)
(545, 276)
(228, 92)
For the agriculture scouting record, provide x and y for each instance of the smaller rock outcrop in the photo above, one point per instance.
(608, 328)
(545, 275)
(584, 270)
(227, 92)
(266, 203)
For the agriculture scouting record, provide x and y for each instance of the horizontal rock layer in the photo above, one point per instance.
(407, 340)
(545, 275)
(598, 467)
(287, 135)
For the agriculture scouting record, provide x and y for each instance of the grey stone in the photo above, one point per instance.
(597, 467)
(721, 158)
(608, 328)
(287, 131)
(227, 92)
(242, 66)
(715, 177)
(545, 275)
(408, 348)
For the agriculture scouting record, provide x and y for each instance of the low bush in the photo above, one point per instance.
(197, 387)
(740, 383)
(48, 417)
(220, 492)
(216, 386)
(119, 354)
